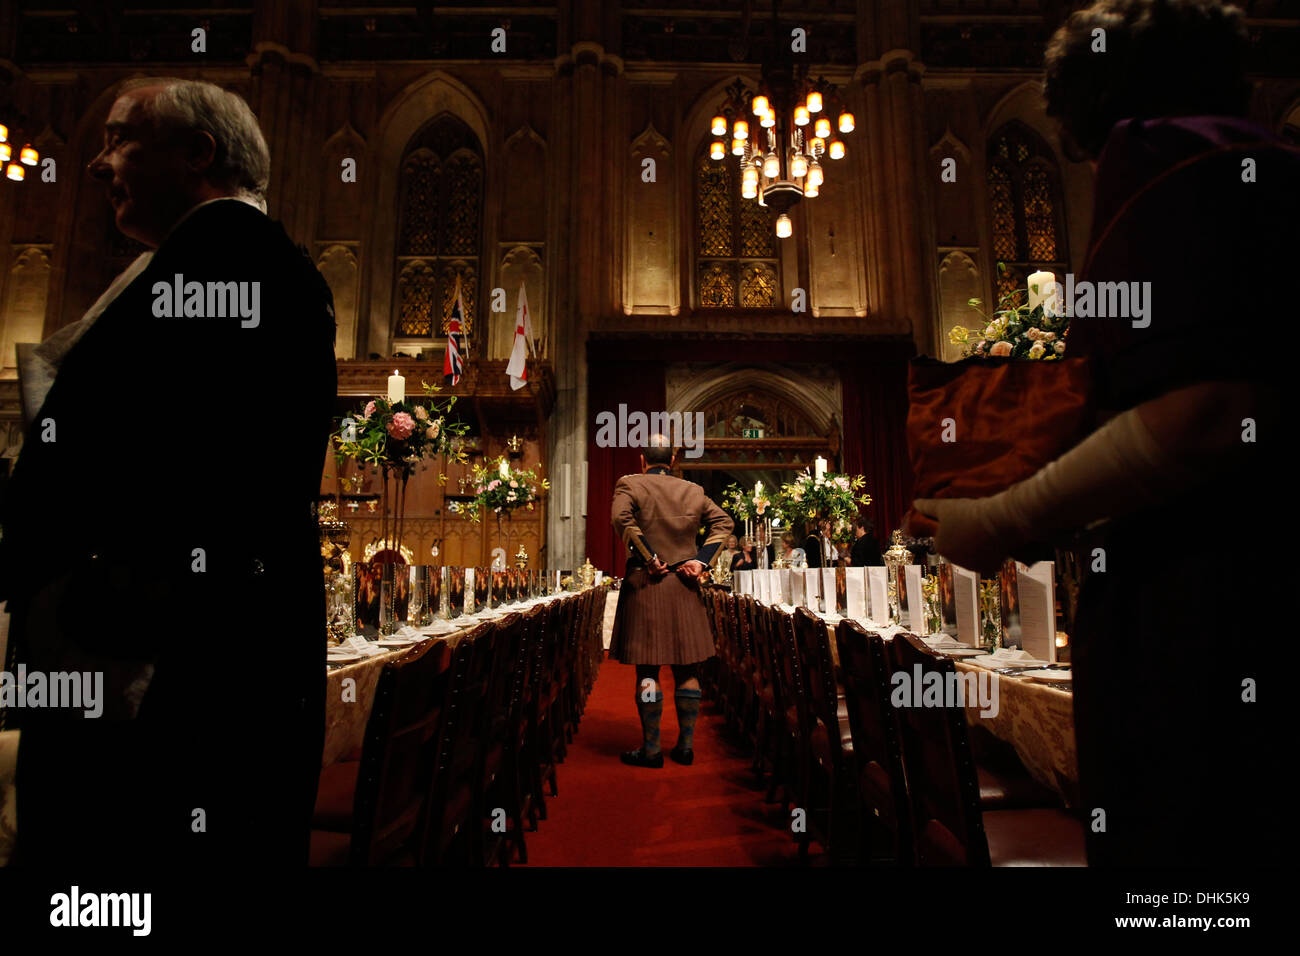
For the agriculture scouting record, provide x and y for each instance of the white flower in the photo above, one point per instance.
(1000, 348)
(1059, 348)
(1036, 350)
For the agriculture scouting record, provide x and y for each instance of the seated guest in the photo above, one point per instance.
(745, 559)
(866, 549)
(723, 558)
(792, 557)
(1187, 765)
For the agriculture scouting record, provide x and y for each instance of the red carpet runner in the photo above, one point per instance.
(708, 814)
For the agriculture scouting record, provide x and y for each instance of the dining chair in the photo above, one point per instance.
(830, 793)
(493, 801)
(398, 761)
(791, 779)
(886, 833)
(949, 826)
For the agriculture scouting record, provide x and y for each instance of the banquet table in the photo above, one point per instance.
(1035, 720)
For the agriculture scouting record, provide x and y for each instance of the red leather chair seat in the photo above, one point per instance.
(335, 797)
(1008, 790)
(1034, 838)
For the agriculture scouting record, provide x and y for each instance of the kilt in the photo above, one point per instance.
(660, 621)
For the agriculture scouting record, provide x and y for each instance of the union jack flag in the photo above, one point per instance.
(453, 365)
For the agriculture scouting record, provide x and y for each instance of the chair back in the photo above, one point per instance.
(400, 753)
(941, 779)
(813, 643)
(878, 755)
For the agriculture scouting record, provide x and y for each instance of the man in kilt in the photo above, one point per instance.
(660, 618)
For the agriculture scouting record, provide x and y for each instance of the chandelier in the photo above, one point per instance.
(27, 156)
(781, 151)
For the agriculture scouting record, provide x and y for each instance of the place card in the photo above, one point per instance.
(797, 589)
(418, 613)
(782, 594)
(878, 593)
(855, 593)
(367, 578)
(743, 582)
(812, 588)
(499, 593)
(478, 598)
(600, 577)
(947, 598)
(437, 598)
(966, 606)
(1036, 591)
(911, 602)
(1009, 601)
(763, 578)
(841, 590)
(456, 592)
(827, 591)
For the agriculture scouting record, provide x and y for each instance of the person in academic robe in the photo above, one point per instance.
(660, 617)
(129, 547)
(866, 548)
(1180, 718)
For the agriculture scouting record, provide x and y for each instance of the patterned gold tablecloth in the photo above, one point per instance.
(8, 793)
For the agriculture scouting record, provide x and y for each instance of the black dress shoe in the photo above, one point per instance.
(638, 758)
(683, 757)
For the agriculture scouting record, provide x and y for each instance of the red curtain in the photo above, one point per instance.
(875, 436)
(610, 382)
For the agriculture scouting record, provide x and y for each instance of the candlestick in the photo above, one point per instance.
(821, 467)
(1041, 286)
(396, 388)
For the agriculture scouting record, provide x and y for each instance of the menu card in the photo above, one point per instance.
(742, 582)
(782, 593)
(828, 590)
(1036, 587)
(499, 593)
(1009, 599)
(855, 593)
(436, 596)
(878, 593)
(797, 589)
(367, 577)
(912, 602)
(966, 598)
(811, 588)
(947, 598)
(759, 580)
(482, 589)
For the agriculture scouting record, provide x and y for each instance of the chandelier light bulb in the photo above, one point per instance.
(760, 105)
(5, 152)
(814, 102)
(846, 122)
(815, 175)
(15, 172)
(816, 146)
(799, 166)
(4, 133)
(810, 191)
(801, 116)
(749, 175)
(771, 166)
(716, 150)
(748, 189)
(837, 149)
(768, 119)
(719, 127)
(741, 129)
(783, 226)
(737, 147)
(822, 128)
(28, 156)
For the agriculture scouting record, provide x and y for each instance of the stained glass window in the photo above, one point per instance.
(440, 227)
(1025, 206)
(738, 231)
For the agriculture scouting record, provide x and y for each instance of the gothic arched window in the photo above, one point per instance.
(736, 247)
(1027, 215)
(440, 224)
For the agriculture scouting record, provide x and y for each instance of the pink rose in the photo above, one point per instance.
(514, 484)
(401, 426)
(494, 484)
(421, 413)
(434, 429)
(370, 410)
(1000, 348)
(478, 490)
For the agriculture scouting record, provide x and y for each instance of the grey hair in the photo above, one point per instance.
(241, 162)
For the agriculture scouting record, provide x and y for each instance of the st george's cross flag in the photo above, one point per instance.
(518, 367)
(454, 363)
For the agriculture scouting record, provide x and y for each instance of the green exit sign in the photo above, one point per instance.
(752, 432)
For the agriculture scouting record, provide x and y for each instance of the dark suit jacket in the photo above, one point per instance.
(812, 550)
(177, 434)
(866, 552)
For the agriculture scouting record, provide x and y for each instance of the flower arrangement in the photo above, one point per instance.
(750, 504)
(834, 497)
(503, 489)
(399, 435)
(1015, 330)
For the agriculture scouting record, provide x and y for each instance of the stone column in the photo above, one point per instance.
(899, 222)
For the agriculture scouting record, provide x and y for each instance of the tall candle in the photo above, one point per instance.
(758, 488)
(821, 467)
(1041, 286)
(504, 470)
(396, 388)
